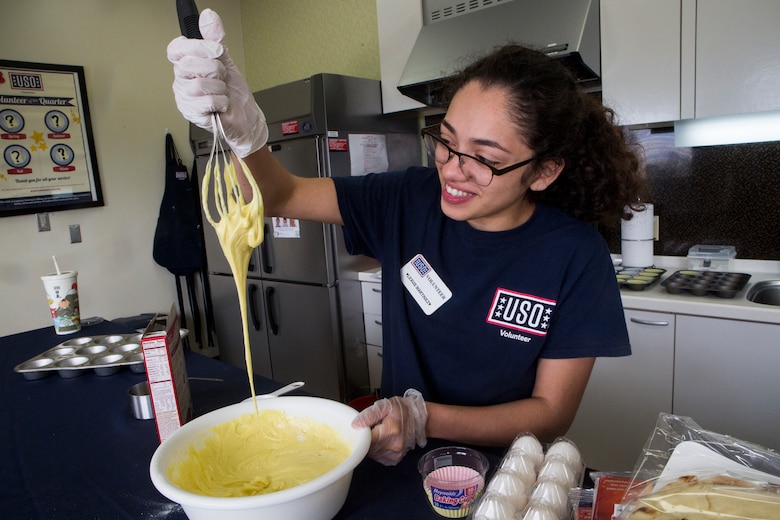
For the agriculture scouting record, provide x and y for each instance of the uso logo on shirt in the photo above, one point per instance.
(523, 312)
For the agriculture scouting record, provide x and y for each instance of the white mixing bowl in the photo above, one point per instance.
(317, 499)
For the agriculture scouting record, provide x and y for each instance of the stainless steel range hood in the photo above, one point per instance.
(456, 31)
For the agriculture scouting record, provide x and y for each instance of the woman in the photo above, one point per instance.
(498, 293)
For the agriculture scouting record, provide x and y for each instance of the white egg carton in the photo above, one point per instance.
(531, 484)
(105, 355)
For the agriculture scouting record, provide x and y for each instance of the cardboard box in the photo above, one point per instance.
(167, 373)
(611, 489)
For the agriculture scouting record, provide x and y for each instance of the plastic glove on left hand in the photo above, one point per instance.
(397, 424)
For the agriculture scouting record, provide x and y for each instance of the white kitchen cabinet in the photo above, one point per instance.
(372, 319)
(666, 60)
(727, 377)
(625, 395)
(737, 56)
(640, 59)
(374, 353)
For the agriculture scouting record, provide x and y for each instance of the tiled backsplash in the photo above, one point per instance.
(721, 195)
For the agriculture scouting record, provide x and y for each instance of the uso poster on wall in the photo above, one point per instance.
(48, 152)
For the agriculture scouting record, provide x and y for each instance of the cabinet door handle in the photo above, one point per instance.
(253, 310)
(650, 322)
(378, 322)
(270, 305)
(266, 252)
(376, 290)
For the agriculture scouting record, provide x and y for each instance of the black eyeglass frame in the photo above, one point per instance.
(497, 172)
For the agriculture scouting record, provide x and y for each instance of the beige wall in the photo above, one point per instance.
(287, 40)
(121, 45)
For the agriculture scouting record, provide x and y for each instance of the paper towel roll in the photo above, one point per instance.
(640, 227)
(636, 253)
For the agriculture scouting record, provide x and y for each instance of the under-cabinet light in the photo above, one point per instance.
(741, 128)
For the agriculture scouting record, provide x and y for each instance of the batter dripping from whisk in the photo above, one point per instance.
(239, 226)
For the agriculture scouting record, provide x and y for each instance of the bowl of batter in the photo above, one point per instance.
(289, 457)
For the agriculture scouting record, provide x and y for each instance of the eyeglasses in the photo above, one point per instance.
(475, 169)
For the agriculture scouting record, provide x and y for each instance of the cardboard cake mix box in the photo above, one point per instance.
(166, 371)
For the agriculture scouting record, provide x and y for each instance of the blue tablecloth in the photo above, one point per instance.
(71, 448)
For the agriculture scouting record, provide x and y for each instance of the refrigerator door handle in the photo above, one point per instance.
(270, 296)
(265, 250)
(253, 310)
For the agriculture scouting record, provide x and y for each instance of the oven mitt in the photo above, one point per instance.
(206, 81)
(397, 424)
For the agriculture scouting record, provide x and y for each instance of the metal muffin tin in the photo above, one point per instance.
(638, 278)
(704, 283)
(105, 355)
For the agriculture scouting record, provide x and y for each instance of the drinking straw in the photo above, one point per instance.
(56, 265)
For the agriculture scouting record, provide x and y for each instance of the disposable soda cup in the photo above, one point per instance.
(63, 295)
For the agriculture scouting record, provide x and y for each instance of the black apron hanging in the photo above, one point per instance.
(178, 240)
(204, 278)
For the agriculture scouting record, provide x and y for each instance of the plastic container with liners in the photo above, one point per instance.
(711, 258)
(453, 478)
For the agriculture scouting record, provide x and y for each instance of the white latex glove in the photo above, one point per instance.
(206, 80)
(396, 425)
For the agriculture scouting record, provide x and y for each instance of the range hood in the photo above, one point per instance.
(456, 31)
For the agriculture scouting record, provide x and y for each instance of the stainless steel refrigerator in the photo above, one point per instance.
(304, 300)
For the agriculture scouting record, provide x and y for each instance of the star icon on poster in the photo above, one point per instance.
(75, 117)
(37, 137)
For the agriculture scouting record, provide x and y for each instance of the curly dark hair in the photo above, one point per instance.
(559, 121)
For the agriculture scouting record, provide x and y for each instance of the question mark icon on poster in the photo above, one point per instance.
(16, 157)
(56, 121)
(11, 121)
(61, 154)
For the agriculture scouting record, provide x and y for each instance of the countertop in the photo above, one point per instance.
(658, 300)
(737, 308)
(371, 275)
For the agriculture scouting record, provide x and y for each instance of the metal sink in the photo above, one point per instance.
(766, 292)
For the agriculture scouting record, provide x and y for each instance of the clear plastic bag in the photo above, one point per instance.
(716, 497)
(689, 471)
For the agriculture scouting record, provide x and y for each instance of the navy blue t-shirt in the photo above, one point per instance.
(544, 289)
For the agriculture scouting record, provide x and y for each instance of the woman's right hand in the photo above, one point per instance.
(206, 81)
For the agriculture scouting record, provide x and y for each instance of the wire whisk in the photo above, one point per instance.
(238, 223)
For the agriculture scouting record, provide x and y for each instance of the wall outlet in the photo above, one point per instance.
(75, 233)
(44, 224)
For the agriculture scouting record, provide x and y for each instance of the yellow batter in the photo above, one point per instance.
(239, 228)
(260, 453)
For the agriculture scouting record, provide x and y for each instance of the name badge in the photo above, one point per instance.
(425, 286)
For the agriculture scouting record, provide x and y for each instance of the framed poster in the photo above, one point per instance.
(47, 152)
